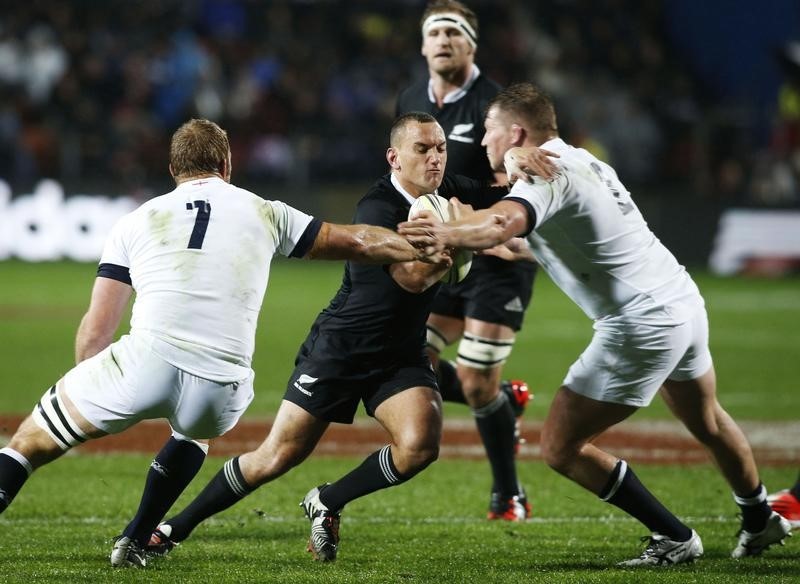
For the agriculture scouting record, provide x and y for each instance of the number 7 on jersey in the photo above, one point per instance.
(200, 223)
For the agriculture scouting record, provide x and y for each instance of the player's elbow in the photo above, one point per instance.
(415, 285)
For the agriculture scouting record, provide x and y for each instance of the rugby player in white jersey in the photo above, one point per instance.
(650, 323)
(198, 259)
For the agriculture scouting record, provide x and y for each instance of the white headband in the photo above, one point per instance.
(442, 19)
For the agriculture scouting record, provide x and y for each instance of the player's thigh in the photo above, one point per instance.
(207, 409)
(627, 364)
(691, 388)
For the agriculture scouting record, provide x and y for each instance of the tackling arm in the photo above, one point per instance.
(97, 328)
(478, 230)
(366, 243)
(416, 277)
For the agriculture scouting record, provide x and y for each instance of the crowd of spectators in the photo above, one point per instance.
(90, 92)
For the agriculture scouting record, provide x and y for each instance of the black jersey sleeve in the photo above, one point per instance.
(377, 211)
(479, 194)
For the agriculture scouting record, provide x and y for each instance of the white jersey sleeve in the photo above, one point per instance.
(590, 237)
(114, 251)
(288, 227)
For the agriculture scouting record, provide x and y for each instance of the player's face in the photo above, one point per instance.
(498, 137)
(447, 49)
(421, 157)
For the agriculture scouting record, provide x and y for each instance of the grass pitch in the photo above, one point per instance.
(755, 335)
(429, 530)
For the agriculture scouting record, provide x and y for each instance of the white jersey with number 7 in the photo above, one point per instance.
(199, 260)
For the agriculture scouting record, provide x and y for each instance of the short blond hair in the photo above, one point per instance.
(199, 146)
(528, 104)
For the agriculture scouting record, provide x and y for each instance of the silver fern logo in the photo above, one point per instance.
(458, 133)
(304, 380)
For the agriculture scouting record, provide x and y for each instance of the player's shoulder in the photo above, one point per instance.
(414, 97)
(381, 190)
(382, 204)
(485, 88)
(487, 85)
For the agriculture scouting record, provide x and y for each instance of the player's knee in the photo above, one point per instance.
(706, 423)
(35, 443)
(414, 453)
(555, 453)
(479, 385)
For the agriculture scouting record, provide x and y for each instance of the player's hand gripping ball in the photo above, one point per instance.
(462, 258)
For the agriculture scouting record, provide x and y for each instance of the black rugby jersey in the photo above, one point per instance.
(462, 122)
(372, 320)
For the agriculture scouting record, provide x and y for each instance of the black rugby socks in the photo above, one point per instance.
(14, 471)
(755, 510)
(227, 488)
(495, 423)
(375, 473)
(170, 473)
(624, 490)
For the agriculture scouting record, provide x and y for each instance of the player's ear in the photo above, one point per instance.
(171, 171)
(392, 158)
(518, 134)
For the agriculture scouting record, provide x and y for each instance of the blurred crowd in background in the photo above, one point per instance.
(91, 91)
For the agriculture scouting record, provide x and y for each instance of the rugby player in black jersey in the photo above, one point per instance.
(367, 346)
(487, 308)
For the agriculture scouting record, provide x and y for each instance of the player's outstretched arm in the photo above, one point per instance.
(368, 243)
(96, 331)
(478, 230)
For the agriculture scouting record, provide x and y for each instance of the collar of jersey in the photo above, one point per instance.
(456, 94)
(193, 184)
(402, 191)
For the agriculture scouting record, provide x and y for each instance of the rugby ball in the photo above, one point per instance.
(462, 260)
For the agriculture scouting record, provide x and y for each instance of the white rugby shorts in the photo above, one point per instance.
(627, 364)
(126, 383)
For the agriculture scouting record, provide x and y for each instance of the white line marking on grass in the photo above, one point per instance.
(439, 520)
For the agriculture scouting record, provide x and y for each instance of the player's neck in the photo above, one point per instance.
(444, 83)
(184, 179)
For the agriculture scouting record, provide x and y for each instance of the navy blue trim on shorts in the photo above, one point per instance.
(307, 239)
(115, 272)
